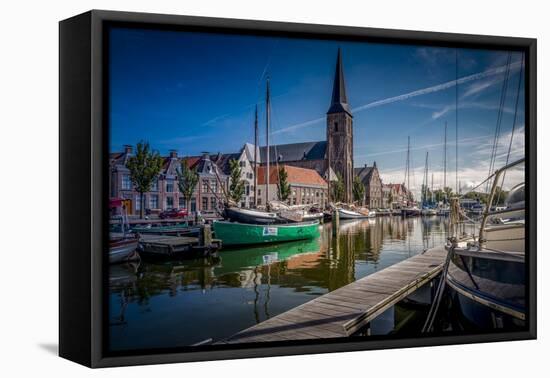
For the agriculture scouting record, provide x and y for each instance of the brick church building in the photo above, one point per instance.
(336, 151)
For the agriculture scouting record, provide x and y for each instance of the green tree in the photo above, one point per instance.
(187, 181)
(390, 199)
(283, 186)
(358, 190)
(236, 188)
(338, 188)
(144, 167)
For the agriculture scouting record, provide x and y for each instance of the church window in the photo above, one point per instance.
(336, 126)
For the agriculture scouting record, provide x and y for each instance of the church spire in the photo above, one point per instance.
(339, 101)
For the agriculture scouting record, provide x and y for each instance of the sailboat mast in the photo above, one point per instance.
(425, 182)
(432, 191)
(256, 157)
(445, 159)
(408, 164)
(267, 119)
(456, 121)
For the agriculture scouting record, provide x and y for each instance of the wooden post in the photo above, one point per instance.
(206, 236)
(335, 222)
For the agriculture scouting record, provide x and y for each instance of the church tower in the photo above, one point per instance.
(340, 132)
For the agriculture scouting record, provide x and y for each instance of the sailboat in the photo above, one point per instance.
(411, 210)
(253, 226)
(475, 275)
(444, 209)
(427, 206)
(254, 216)
(487, 274)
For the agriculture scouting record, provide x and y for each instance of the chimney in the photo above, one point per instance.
(173, 154)
(127, 149)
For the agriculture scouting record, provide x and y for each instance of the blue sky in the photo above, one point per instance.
(196, 92)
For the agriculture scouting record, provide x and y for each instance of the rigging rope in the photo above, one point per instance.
(499, 118)
(513, 128)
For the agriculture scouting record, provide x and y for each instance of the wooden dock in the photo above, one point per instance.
(165, 246)
(342, 312)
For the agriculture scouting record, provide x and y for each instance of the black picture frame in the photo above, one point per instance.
(83, 182)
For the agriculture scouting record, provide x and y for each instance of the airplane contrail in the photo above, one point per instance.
(419, 92)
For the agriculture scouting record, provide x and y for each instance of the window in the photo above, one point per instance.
(193, 204)
(154, 201)
(214, 186)
(259, 192)
(259, 201)
(213, 203)
(138, 202)
(242, 164)
(205, 186)
(169, 202)
(155, 186)
(204, 203)
(169, 186)
(182, 202)
(126, 182)
(247, 190)
(336, 126)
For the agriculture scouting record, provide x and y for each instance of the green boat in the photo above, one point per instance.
(232, 233)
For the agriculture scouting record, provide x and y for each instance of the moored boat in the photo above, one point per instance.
(123, 249)
(232, 233)
(252, 216)
(350, 214)
(486, 275)
(412, 211)
(429, 212)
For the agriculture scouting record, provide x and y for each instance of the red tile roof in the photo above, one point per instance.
(296, 175)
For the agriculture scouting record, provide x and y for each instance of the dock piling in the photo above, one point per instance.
(335, 222)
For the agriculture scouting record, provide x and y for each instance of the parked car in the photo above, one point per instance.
(174, 213)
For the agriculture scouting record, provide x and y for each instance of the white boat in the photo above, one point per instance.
(486, 274)
(349, 214)
(429, 212)
(123, 249)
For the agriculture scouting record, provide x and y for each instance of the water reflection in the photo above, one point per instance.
(180, 303)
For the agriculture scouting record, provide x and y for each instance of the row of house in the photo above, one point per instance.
(307, 186)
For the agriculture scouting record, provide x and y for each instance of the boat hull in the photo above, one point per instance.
(123, 250)
(488, 287)
(252, 216)
(347, 214)
(233, 234)
(410, 212)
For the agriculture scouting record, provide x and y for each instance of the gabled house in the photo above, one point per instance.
(370, 178)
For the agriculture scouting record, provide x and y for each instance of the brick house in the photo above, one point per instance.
(370, 177)
(307, 187)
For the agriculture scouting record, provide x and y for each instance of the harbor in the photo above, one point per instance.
(280, 241)
(219, 296)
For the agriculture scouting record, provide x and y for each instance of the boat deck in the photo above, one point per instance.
(344, 311)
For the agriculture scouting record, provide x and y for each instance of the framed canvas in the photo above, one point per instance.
(234, 188)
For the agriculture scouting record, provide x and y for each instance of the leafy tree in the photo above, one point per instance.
(283, 186)
(338, 188)
(390, 198)
(187, 181)
(144, 167)
(236, 188)
(358, 190)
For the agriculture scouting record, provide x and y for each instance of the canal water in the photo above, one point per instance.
(180, 303)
